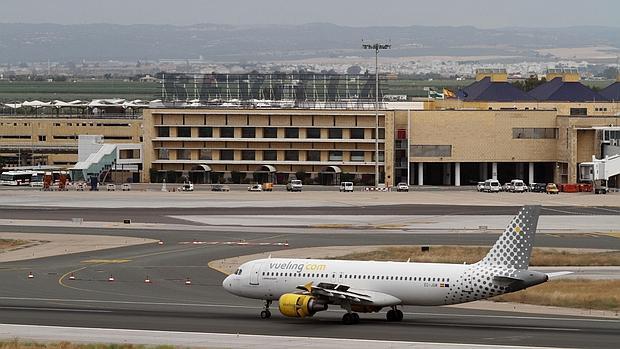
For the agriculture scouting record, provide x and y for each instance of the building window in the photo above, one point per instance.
(291, 132)
(248, 155)
(129, 153)
(381, 133)
(313, 155)
(335, 133)
(534, 133)
(163, 132)
(430, 151)
(205, 132)
(163, 154)
(227, 154)
(184, 154)
(270, 155)
(248, 132)
(357, 133)
(206, 154)
(291, 155)
(335, 155)
(313, 133)
(578, 111)
(270, 132)
(227, 132)
(42, 138)
(357, 156)
(184, 132)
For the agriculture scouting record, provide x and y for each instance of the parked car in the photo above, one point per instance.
(187, 186)
(505, 187)
(517, 186)
(220, 187)
(551, 188)
(126, 187)
(538, 187)
(402, 186)
(480, 186)
(255, 187)
(111, 187)
(346, 186)
(80, 186)
(491, 186)
(294, 185)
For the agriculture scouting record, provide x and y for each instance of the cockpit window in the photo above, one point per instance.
(238, 272)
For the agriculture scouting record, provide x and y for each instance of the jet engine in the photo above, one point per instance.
(297, 305)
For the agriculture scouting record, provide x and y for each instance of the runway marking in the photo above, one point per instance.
(192, 339)
(58, 309)
(213, 305)
(106, 261)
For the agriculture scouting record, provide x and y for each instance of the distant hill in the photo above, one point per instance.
(42, 42)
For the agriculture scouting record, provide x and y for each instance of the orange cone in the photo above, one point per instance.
(188, 282)
(111, 278)
(30, 275)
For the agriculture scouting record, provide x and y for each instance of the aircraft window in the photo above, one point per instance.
(240, 271)
(410, 278)
(363, 276)
(424, 279)
(382, 276)
(442, 279)
(401, 278)
(433, 279)
(373, 277)
(448, 279)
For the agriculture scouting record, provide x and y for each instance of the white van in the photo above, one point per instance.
(346, 186)
(517, 186)
(492, 186)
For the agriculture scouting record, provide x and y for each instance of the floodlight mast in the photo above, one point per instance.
(377, 46)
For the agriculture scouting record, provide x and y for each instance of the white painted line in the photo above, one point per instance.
(196, 339)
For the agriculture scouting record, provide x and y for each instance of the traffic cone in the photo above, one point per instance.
(71, 277)
(30, 275)
(147, 280)
(111, 278)
(188, 282)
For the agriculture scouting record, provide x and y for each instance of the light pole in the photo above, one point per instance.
(376, 46)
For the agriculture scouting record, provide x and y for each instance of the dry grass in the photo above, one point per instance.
(15, 344)
(571, 293)
(472, 254)
(6, 244)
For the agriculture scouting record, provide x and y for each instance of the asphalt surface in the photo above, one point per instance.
(161, 215)
(50, 298)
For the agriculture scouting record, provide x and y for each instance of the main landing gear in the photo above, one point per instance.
(350, 319)
(266, 314)
(394, 315)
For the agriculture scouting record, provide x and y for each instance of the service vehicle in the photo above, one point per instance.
(480, 186)
(187, 186)
(126, 187)
(255, 187)
(537, 187)
(492, 186)
(294, 185)
(402, 186)
(346, 187)
(111, 187)
(517, 186)
(551, 188)
(220, 187)
(267, 186)
(600, 186)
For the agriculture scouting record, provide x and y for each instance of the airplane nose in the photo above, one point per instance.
(227, 283)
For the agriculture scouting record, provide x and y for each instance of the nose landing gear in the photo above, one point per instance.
(394, 315)
(266, 314)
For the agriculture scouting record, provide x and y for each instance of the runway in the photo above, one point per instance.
(50, 298)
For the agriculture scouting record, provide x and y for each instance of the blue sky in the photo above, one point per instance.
(479, 13)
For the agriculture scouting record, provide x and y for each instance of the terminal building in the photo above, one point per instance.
(491, 130)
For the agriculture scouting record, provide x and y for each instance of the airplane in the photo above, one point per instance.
(304, 287)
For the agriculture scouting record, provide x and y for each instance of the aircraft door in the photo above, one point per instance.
(255, 273)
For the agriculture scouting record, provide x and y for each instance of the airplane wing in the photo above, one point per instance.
(338, 294)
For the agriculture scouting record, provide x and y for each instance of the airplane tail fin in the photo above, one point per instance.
(513, 249)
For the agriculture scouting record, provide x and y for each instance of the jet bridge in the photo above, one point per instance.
(600, 171)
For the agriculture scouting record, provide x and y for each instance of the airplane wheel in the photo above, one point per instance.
(399, 315)
(265, 314)
(347, 319)
(391, 315)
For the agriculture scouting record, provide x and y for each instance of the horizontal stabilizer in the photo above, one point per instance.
(558, 274)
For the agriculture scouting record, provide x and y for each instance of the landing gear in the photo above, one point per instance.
(350, 318)
(266, 314)
(394, 315)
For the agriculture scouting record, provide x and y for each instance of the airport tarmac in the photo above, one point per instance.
(51, 298)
